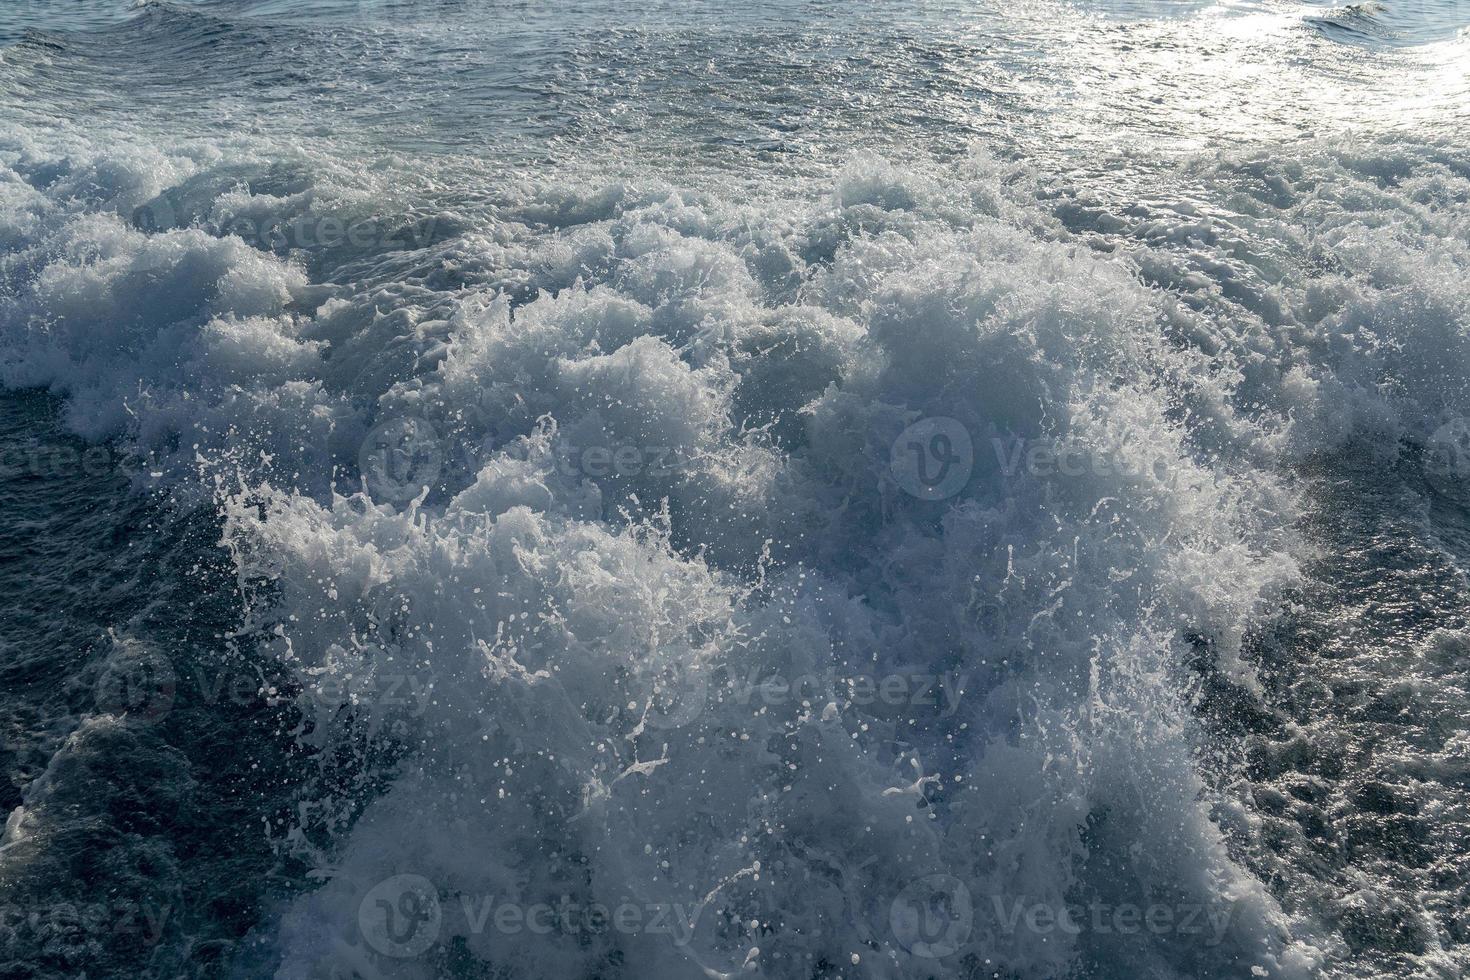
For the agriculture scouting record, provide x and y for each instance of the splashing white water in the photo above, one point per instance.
(787, 580)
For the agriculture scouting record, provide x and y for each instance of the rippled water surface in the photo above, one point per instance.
(590, 489)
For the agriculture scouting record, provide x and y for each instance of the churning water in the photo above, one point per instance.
(796, 489)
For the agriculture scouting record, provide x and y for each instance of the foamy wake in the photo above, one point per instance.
(590, 521)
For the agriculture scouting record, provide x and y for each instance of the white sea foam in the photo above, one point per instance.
(590, 637)
(582, 739)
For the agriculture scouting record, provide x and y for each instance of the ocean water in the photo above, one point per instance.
(678, 490)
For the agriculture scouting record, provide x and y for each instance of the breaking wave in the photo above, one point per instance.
(817, 574)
